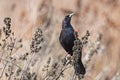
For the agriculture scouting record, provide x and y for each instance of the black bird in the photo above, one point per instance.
(67, 38)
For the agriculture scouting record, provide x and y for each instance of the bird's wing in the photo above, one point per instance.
(67, 40)
(61, 42)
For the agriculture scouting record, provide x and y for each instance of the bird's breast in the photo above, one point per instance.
(68, 36)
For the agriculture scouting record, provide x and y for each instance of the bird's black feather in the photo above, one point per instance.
(67, 39)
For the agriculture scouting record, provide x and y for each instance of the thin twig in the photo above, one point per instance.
(3, 69)
(11, 62)
(26, 66)
(62, 72)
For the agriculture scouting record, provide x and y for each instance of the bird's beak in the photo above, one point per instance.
(70, 15)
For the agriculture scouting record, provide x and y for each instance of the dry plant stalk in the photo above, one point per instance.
(13, 70)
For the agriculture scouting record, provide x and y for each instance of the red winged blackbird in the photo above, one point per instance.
(67, 38)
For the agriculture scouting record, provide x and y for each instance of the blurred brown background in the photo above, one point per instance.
(97, 16)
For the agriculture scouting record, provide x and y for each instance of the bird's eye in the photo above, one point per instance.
(67, 16)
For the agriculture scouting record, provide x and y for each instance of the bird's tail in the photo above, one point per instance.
(79, 67)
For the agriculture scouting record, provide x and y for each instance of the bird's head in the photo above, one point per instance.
(66, 20)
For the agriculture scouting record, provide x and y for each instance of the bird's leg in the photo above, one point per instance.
(67, 60)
